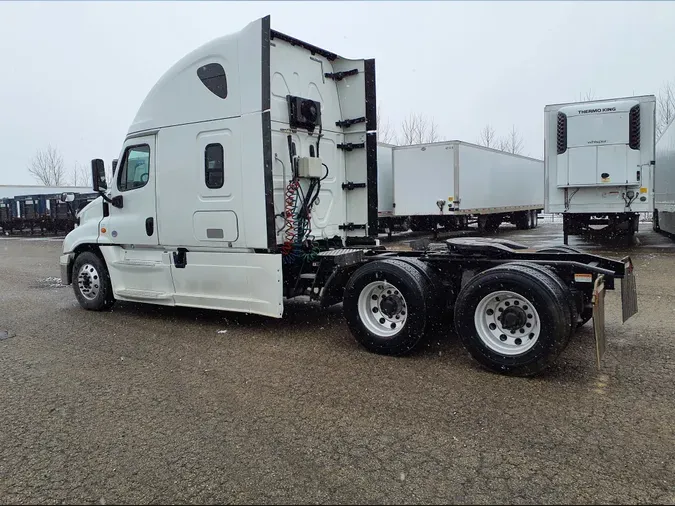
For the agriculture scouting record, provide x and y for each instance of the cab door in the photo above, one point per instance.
(139, 269)
(135, 223)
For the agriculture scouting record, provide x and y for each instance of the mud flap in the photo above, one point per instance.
(599, 318)
(628, 291)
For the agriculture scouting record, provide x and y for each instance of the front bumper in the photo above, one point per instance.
(66, 272)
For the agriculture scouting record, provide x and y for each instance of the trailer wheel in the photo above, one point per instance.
(655, 221)
(522, 220)
(513, 319)
(489, 222)
(91, 282)
(385, 306)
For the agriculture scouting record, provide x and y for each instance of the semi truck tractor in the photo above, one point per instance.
(249, 177)
(599, 161)
(453, 183)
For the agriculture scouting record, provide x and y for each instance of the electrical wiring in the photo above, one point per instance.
(299, 242)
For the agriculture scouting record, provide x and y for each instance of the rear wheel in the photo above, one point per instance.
(513, 319)
(385, 305)
(523, 220)
(489, 222)
(91, 282)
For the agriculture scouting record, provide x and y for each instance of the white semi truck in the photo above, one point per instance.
(452, 183)
(664, 183)
(599, 160)
(249, 177)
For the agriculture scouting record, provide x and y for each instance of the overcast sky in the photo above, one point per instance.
(75, 73)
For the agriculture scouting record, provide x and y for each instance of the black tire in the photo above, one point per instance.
(655, 221)
(97, 279)
(414, 289)
(567, 292)
(438, 299)
(547, 298)
(489, 222)
(534, 222)
(586, 313)
(522, 220)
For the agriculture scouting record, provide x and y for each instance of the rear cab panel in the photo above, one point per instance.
(345, 139)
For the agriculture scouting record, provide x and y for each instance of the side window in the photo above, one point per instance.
(212, 75)
(135, 170)
(214, 166)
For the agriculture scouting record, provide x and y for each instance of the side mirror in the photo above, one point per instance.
(67, 197)
(114, 166)
(98, 175)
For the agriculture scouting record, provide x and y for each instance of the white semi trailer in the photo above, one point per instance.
(664, 183)
(599, 159)
(249, 177)
(451, 183)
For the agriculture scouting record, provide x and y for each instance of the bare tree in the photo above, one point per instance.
(418, 129)
(587, 96)
(81, 176)
(385, 132)
(47, 167)
(665, 107)
(513, 142)
(487, 137)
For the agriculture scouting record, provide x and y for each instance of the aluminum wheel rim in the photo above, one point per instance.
(88, 281)
(507, 323)
(382, 309)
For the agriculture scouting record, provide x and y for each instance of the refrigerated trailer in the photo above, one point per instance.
(249, 177)
(599, 159)
(451, 183)
(663, 219)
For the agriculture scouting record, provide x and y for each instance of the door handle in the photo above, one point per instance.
(149, 226)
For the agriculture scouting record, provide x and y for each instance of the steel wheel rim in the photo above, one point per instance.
(89, 281)
(507, 323)
(382, 309)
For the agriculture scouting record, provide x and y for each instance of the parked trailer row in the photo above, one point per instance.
(43, 213)
(278, 199)
(452, 184)
(663, 219)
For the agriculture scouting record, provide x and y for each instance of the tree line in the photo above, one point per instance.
(418, 128)
(48, 169)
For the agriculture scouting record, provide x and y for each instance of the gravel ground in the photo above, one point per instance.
(150, 404)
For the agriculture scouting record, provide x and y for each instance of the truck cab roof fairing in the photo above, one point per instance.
(179, 97)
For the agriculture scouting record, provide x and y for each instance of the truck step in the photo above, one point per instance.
(308, 275)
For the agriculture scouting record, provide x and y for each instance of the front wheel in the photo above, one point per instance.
(91, 282)
(513, 319)
(385, 306)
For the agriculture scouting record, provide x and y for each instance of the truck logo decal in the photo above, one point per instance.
(597, 142)
(594, 111)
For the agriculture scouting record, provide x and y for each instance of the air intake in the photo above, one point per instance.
(562, 133)
(634, 127)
